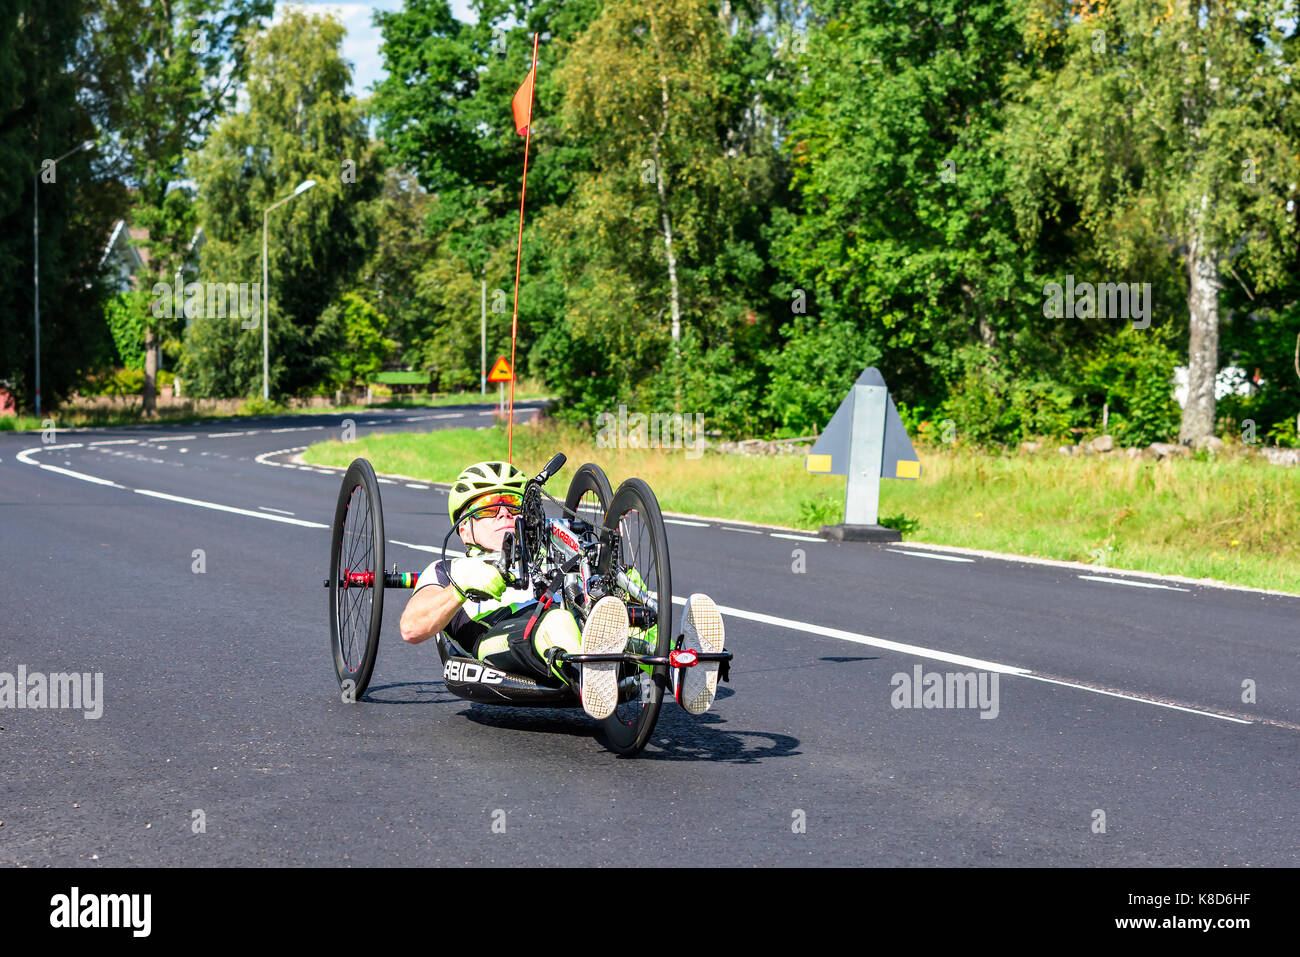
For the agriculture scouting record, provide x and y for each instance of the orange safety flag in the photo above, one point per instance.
(522, 105)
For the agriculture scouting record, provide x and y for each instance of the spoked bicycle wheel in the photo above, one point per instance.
(356, 579)
(589, 494)
(638, 563)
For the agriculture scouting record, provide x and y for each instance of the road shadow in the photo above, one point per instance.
(679, 736)
(426, 692)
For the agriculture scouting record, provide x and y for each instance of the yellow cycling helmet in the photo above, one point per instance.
(479, 479)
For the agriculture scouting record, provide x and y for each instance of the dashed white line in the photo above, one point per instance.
(413, 485)
(793, 538)
(226, 435)
(938, 558)
(427, 548)
(680, 521)
(172, 438)
(114, 442)
(747, 531)
(384, 481)
(1131, 584)
(449, 415)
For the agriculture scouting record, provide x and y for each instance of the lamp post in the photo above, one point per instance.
(36, 259)
(266, 349)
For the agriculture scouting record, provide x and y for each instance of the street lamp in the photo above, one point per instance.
(266, 349)
(36, 259)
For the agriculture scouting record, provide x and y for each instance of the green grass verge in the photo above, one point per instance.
(1233, 518)
(81, 418)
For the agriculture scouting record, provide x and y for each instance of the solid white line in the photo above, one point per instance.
(938, 558)
(678, 521)
(227, 508)
(1131, 584)
(931, 653)
(794, 538)
(115, 442)
(78, 475)
(887, 645)
(267, 508)
(1129, 697)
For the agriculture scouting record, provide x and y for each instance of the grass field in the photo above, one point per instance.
(1230, 518)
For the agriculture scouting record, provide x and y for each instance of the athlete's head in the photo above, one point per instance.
(484, 500)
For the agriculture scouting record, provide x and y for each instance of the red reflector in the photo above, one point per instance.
(683, 659)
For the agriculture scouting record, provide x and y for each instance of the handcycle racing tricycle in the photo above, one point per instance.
(597, 543)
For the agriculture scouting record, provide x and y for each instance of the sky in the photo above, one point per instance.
(361, 45)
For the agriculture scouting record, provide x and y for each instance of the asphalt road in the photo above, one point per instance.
(223, 739)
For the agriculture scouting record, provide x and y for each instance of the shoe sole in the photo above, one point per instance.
(604, 633)
(702, 632)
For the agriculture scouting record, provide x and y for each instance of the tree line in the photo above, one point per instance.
(1026, 213)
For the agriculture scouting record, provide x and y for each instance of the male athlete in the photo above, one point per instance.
(468, 599)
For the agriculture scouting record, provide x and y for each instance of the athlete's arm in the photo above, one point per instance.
(428, 612)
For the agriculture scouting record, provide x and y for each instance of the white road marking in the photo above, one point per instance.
(938, 558)
(794, 538)
(413, 485)
(280, 511)
(449, 415)
(747, 531)
(678, 521)
(114, 442)
(172, 438)
(936, 655)
(77, 475)
(383, 481)
(427, 548)
(226, 508)
(1131, 584)
(182, 450)
(1130, 697)
(226, 435)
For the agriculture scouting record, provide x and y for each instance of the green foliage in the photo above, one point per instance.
(127, 315)
(364, 347)
(42, 118)
(1134, 372)
(1284, 434)
(991, 407)
(810, 376)
(300, 125)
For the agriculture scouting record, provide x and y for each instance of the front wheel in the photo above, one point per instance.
(637, 567)
(356, 579)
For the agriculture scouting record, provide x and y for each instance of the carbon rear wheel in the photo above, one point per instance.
(638, 563)
(589, 494)
(356, 579)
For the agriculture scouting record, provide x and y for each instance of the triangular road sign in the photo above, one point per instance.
(501, 371)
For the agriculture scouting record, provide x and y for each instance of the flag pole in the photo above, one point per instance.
(514, 319)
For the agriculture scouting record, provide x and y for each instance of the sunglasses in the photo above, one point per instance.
(489, 506)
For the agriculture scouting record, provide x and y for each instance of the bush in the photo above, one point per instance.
(991, 407)
(1134, 375)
